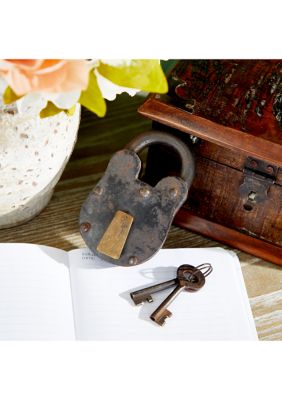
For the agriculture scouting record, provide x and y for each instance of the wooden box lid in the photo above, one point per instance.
(236, 104)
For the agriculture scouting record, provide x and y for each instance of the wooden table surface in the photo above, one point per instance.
(57, 225)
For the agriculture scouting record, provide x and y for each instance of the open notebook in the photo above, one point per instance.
(46, 293)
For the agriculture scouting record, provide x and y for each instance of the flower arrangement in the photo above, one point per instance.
(58, 85)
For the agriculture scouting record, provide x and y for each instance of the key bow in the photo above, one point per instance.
(189, 276)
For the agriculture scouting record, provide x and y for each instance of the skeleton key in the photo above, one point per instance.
(189, 278)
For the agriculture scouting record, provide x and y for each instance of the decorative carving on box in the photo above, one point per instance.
(245, 95)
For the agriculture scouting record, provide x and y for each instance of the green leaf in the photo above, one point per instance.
(70, 111)
(145, 75)
(168, 65)
(10, 96)
(92, 98)
(51, 109)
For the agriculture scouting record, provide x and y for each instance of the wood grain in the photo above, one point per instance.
(241, 94)
(226, 235)
(57, 225)
(230, 138)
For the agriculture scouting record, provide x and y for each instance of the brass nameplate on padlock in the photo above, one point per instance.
(114, 238)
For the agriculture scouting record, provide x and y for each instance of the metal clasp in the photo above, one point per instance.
(259, 176)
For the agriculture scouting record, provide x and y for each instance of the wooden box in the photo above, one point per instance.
(230, 113)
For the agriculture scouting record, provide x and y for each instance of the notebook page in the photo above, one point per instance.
(103, 309)
(246, 306)
(35, 295)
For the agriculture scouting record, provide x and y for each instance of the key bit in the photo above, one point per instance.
(160, 318)
(141, 299)
(149, 299)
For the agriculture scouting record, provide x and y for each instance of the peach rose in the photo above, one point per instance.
(53, 76)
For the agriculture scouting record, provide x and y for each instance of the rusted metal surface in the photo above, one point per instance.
(152, 208)
(156, 137)
(142, 295)
(258, 177)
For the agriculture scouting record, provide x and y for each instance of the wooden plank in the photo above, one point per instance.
(230, 138)
(265, 250)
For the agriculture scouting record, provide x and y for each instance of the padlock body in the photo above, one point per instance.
(152, 210)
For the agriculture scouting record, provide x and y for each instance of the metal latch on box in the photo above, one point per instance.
(259, 176)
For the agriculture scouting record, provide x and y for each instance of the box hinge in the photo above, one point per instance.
(258, 176)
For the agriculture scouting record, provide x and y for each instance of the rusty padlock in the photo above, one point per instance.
(124, 220)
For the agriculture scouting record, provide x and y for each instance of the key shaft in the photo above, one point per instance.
(161, 313)
(142, 295)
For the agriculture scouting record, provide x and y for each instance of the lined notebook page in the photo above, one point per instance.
(104, 310)
(35, 295)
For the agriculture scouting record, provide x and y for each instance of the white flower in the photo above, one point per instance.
(3, 85)
(35, 102)
(31, 103)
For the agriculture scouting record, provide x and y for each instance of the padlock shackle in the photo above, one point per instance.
(157, 137)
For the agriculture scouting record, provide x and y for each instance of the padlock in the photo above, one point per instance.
(124, 220)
